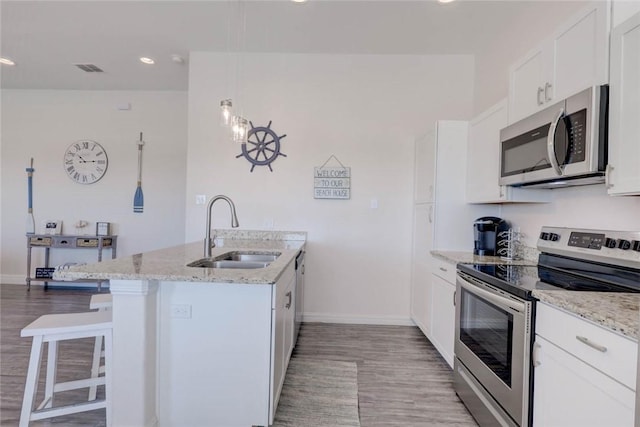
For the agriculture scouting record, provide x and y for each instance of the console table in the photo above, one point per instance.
(55, 241)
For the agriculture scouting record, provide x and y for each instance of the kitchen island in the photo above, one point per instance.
(200, 346)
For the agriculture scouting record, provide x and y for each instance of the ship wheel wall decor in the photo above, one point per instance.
(262, 146)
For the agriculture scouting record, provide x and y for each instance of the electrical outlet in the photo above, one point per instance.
(201, 199)
(181, 311)
(374, 204)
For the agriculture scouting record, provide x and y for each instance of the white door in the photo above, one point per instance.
(421, 272)
(443, 316)
(624, 109)
(526, 85)
(424, 168)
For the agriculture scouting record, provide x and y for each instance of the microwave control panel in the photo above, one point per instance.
(575, 137)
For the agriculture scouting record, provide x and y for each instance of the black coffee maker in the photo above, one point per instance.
(487, 232)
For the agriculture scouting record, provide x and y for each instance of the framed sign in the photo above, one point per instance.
(332, 182)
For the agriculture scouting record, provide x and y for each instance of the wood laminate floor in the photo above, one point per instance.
(402, 380)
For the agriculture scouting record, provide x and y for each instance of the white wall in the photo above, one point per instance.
(492, 79)
(42, 124)
(583, 207)
(363, 109)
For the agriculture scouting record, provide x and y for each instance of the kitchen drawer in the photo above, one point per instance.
(444, 269)
(616, 356)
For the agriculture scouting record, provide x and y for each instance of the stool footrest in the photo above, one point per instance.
(68, 409)
(73, 385)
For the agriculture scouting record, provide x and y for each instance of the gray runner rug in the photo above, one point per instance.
(319, 393)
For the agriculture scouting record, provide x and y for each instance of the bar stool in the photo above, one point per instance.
(101, 302)
(52, 328)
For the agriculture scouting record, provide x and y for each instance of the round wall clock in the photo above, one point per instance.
(85, 162)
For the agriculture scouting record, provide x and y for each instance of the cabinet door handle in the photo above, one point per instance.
(607, 176)
(535, 356)
(591, 344)
(431, 214)
(288, 304)
(547, 86)
(454, 297)
(443, 269)
(540, 92)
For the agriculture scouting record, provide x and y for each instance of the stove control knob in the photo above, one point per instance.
(610, 243)
(544, 236)
(624, 244)
(554, 237)
(636, 245)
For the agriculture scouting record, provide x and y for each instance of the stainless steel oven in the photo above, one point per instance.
(492, 348)
(495, 314)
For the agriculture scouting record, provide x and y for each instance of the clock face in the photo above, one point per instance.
(85, 162)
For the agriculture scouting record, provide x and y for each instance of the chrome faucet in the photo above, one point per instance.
(208, 241)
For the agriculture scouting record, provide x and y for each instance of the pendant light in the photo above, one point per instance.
(226, 110)
(240, 129)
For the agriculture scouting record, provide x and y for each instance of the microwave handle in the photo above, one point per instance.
(551, 147)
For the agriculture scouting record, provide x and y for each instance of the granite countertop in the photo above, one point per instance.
(617, 311)
(170, 264)
(469, 258)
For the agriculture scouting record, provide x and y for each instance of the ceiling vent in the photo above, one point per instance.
(89, 68)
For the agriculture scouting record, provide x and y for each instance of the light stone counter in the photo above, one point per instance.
(464, 257)
(170, 264)
(617, 311)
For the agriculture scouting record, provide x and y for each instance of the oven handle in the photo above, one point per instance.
(479, 290)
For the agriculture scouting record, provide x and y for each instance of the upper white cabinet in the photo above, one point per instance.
(424, 168)
(483, 165)
(623, 174)
(572, 59)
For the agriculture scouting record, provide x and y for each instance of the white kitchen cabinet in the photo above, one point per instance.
(623, 10)
(282, 335)
(424, 168)
(572, 59)
(483, 166)
(443, 310)
(420, 270)
(584, 374)
(442, 220)
(623, 174)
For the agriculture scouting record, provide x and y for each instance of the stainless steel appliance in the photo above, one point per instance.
(488, 234)
(562, 145)
(495, 314)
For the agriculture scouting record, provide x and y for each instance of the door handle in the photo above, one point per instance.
(288, 304)
(547, 86)
(540, 92)
(535, 356)
(551, 149)
(607, 176)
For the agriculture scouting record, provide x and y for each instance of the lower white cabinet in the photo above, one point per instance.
(442, 309)
(584, 374)
(420, 267)
(284, 315)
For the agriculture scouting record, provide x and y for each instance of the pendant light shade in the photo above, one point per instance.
(240, 129)
(225, 109)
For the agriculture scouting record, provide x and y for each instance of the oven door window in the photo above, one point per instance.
(487, 331)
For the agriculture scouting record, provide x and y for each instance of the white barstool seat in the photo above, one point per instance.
(101, 302)
(52, 328)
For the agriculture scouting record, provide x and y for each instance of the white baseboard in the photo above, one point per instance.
(357, 320)
(13, 279)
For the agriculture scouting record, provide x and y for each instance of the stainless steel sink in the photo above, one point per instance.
(210, 263)
(240, 256)
(237, 259)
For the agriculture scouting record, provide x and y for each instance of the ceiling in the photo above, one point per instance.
(45, 38)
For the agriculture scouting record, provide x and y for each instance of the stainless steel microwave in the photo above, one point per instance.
(562, 145)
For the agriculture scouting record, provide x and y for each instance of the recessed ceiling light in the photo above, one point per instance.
(445, 1)
(299, 1)
(146, 60)
(6, 61)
